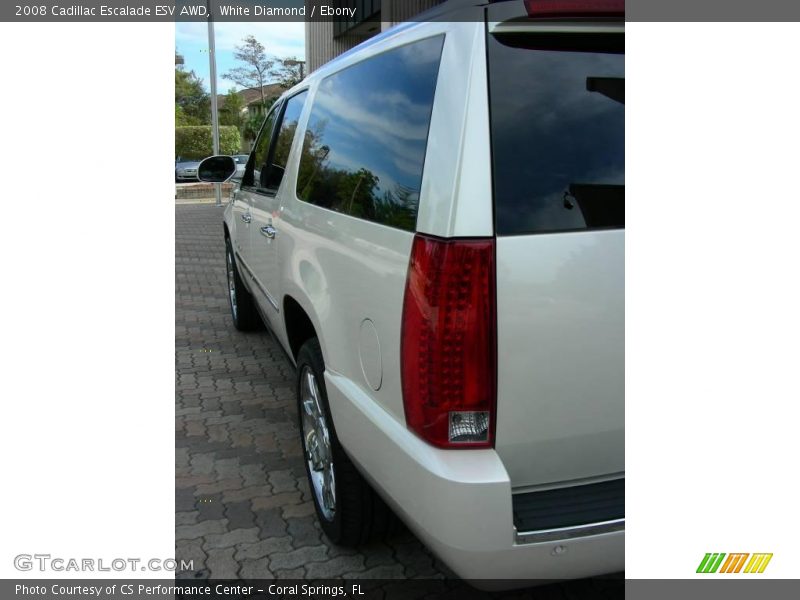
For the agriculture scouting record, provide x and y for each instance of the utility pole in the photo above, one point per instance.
(212, 68)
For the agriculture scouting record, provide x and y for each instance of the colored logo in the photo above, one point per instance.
(719, 562)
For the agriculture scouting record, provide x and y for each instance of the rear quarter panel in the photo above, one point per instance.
(342, 269)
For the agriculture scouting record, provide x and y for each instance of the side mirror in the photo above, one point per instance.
(216, 169)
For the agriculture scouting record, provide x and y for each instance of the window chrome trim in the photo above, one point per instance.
(566, 533)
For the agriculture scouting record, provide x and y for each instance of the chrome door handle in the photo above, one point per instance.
(246, 217)
(269, 231)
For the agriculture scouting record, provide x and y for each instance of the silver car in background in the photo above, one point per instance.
(186, 170)
(241, 164)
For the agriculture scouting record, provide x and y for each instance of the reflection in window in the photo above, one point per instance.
(558, 132)
(252, 176)
(283, 141)
(364, 146)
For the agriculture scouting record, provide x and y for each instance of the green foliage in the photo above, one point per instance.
(231, 111)
(191, 99)
(252, 124)
(195, 142)
(180, 117)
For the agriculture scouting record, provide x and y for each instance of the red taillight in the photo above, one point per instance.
(575, 8)
(448, 342)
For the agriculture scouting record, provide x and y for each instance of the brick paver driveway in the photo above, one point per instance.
(242, 504)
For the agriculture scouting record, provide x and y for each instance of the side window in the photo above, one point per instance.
(364, 147)
(283, 141)
(258, 159)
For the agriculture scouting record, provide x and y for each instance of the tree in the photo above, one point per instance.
(252, 124)
(231, 111)
(192, 102)
(288, 72)
(256, 69)
(180, 118)
(195, 142)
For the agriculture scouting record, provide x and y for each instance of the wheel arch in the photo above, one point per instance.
(298, 324)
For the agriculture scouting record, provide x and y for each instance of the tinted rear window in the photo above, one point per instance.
(364, 146)
(558, 132)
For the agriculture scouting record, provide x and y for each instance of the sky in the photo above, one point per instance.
(191, 40)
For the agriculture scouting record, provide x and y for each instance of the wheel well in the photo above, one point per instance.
(225, 228)
(299, 327)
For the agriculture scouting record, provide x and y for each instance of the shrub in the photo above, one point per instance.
(195, 142)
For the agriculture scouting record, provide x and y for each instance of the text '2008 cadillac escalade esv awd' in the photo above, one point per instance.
(432, 226)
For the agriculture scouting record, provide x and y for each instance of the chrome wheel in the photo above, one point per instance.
(317, 444)
(231, 281)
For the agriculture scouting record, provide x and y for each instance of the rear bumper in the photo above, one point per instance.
(459, 502)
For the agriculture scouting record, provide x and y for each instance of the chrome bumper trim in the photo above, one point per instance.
(566, 533)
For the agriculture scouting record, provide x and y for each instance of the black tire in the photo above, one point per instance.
(360, 514)
(243, 307)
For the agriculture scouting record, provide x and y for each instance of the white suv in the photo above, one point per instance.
(432, 226)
